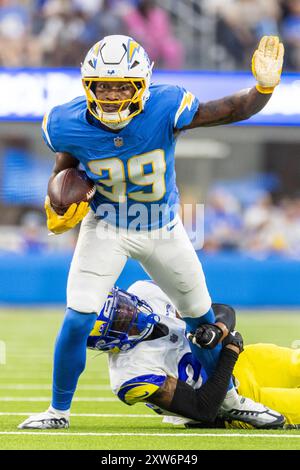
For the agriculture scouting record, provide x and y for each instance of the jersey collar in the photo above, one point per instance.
(96, 123)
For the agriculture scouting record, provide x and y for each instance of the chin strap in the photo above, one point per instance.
(114, 125)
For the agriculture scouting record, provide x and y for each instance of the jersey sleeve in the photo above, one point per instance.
(140, 388)
(55, 129)
(185, 109)
(47, 132)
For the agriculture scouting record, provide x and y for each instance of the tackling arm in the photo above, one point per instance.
(267, 64)
(210, 334)
(203, 404)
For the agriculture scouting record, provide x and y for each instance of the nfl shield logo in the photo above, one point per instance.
(118, 141)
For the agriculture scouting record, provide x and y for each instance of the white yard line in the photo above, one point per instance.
(11, 386)
(88, 415)
(21, 376)
(148, 434)
(15, 375)
(31, 355)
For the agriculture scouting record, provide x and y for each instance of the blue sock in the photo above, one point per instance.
(70, 356)
(208, 358)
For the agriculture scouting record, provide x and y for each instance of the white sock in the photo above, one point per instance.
(62, 413)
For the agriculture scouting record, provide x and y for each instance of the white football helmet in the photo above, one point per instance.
(117, 58)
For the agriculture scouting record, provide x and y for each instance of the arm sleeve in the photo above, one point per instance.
(203, 404)
(185, 109)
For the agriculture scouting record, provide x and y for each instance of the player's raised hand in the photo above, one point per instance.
(61, 223)
(267, 63)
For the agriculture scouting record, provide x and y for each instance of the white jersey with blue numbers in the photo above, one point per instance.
(139, 372)
(134, 167)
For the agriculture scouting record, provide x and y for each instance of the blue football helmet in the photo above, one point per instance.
(124, 321)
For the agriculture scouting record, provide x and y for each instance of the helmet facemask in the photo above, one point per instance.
(128, 108)
(124, 321)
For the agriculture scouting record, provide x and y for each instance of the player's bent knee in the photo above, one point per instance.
(86, 302)
(86, 293)
(196, 310)
(84, 306)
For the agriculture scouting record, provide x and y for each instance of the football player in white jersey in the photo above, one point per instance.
(123, 134)
(150, 361)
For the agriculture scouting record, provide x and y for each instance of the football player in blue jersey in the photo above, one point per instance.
(123, 134)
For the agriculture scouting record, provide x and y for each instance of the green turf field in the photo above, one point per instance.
(99, 420)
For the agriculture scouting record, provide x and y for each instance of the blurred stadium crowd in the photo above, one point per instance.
(176, 33)
(260, 229)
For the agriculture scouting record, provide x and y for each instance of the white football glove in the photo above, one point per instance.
(267, 63)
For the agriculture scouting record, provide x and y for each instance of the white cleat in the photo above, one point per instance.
(45, 420)
(252, 413)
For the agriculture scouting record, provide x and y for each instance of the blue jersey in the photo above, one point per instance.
(134, 167)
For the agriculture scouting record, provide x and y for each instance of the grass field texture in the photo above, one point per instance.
(99, 420)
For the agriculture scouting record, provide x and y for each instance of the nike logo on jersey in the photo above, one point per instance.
(171, 227)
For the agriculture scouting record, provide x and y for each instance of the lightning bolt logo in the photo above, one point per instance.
(133, 47)
(186, 102)
(95, 52)
(96, 48)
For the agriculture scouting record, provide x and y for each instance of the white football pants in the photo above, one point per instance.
(166, 254)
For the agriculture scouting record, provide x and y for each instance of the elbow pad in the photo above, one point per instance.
(226, 314)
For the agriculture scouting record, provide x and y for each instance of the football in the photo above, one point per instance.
(69, 186)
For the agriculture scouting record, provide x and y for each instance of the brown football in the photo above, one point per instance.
(69, 186)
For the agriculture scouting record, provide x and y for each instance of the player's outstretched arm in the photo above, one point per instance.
(202, 404)
(267, 64)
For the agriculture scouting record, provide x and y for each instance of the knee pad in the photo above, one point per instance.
(85, 303)
(197, 309)
(86, 292)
